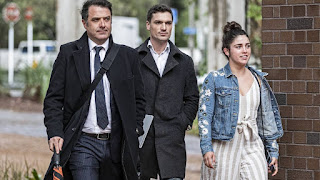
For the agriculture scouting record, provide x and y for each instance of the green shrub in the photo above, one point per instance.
(36, 81)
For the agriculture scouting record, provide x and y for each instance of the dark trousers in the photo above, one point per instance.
(91, 160)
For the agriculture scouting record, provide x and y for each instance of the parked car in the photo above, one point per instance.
(44, 51)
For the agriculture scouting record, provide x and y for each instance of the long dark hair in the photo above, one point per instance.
(230, 31)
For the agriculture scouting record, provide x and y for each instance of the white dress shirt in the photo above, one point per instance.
(160, 59)
(91, 125)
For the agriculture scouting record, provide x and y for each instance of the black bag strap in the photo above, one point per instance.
(105, 66)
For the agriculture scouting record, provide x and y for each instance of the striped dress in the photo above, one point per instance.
(242, 157)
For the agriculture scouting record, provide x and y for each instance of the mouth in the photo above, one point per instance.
(244, 57)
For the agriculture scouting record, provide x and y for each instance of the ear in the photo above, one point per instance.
(226, 51)
(148, 25)
(84, 23)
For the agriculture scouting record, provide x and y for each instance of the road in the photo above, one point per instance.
(31, 124)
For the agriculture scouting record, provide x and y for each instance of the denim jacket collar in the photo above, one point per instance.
(228, 72)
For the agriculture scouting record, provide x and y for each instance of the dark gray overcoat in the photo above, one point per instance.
(70, 78)
(173, 100)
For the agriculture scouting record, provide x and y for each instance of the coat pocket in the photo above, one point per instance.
(223, 96)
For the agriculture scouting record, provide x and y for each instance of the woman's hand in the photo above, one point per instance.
(274, 162)
(209, 160)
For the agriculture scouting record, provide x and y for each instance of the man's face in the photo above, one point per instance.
(160, 26)
(98, 25)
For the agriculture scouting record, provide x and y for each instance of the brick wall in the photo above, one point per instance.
(291, 54)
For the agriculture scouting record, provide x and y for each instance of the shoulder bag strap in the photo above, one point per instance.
(114, 49)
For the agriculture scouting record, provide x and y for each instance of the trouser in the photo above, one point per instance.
(91, 160)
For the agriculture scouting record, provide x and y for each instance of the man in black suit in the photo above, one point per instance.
(171, 97)
(98, 140)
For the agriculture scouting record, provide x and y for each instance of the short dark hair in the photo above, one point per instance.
(230, 31)
(158, 8)
(88, 3)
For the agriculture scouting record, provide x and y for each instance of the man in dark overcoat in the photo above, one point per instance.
(98, 140)
(171, 97)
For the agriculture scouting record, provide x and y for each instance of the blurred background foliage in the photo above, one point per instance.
(44, 22)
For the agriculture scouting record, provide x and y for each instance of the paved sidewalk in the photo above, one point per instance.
(31, 124)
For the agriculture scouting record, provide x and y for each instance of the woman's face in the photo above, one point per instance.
(240, 50)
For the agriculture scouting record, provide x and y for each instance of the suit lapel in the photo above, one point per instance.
(171, 63)
(81, 59)
(150, 63)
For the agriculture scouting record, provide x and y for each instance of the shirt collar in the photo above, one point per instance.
(167, 49)
(92, 44)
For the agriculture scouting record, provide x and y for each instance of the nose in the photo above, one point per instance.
(163, 26)
(102, 23)
(245, 49)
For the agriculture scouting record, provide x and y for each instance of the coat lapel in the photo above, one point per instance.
(150, 63)
(171, 61)
(81, 59)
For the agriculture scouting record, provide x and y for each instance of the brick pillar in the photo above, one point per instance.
(291, 54)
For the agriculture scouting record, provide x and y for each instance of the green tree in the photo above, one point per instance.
(44, 21)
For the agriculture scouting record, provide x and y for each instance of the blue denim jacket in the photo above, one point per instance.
(219, 108)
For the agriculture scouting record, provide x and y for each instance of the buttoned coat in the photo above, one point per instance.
(70, 78)
(173, 100)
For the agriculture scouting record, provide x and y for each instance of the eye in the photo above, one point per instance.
(168, 23)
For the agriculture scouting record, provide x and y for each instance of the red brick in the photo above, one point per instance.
(316, 174)
(316, 74)
(313, 112)
(286, 36)
(276, 86)
(313, 10)
(313, 87)
(313, 164)
(316, 22)
(300, 163)
(299, 175)
(274, 2)
(316, 125)
(267, 62)
(299, 150)
(300, 36)
(313, 36)
(267, 37)
(316, 48)
(299, 49)
(273, 24)
(276, 74)
(316, 151)
(273, 49)
(299, 111)
(316, 100)
(276, 12)
(286, 138)
(299, 125)
(267, 12)
(299, 137)
(299, 86)
(313, 62)
(299, 99)
(276, 61)
(300, 1)
(286, 61)
(283, 149)
(286, 111)
(285, 11)
(299, 11)
(286, 162)
(299, 74)
(276, 36)
(286, 86)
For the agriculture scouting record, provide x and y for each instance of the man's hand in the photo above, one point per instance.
(209, 160)
(55, 142)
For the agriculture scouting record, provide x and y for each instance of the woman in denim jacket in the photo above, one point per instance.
(237, 113)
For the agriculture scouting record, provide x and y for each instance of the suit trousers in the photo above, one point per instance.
(91, 160)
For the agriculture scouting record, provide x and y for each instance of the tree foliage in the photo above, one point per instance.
(44, 22)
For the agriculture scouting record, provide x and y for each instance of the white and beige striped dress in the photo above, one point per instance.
(243, 156)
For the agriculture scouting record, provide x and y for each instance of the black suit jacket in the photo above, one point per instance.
(70, 78)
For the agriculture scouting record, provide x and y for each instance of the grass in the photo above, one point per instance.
(13, 171)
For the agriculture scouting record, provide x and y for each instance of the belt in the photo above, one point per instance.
(105, 136)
